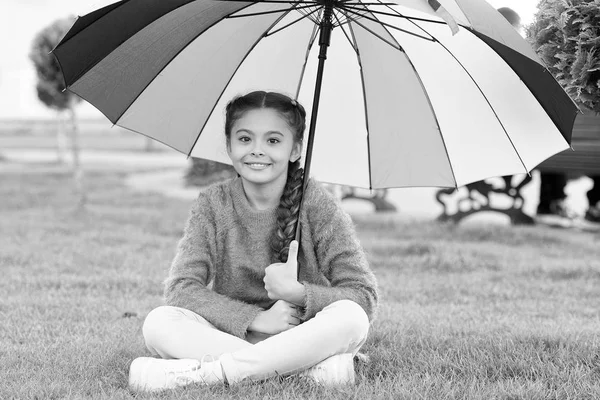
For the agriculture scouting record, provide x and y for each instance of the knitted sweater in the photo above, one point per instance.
(226, 243)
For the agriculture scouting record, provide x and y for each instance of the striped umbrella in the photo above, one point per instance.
(415, 93)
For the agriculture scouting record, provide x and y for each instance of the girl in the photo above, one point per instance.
(235, 308)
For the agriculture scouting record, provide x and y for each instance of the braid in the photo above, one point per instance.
(287, 213)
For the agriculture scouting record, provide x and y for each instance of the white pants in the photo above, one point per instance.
(173, 332)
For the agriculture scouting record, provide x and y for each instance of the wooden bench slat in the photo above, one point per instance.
(585, 156)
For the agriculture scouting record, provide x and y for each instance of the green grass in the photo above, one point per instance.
(466, 312)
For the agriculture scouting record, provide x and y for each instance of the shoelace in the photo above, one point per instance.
(208, 358)
(181, 377)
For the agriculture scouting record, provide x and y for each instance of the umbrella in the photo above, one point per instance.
(415, 93)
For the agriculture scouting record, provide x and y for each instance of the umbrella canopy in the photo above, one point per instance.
(404, 101)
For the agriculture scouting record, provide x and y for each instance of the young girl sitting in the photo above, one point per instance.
(236, 308)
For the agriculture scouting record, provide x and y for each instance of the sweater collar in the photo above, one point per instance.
(245, 209)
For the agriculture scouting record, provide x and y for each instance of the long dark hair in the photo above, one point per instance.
(288, 210)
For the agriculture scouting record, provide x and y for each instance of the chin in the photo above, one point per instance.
(260, 177)
(257, 178)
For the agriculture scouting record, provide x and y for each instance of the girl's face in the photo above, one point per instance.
(261, 145)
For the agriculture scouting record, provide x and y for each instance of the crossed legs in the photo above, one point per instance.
(341, 327)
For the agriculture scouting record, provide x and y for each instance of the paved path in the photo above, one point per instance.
(163, 172)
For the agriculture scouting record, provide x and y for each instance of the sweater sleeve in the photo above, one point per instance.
(342, 259)
(193, 268)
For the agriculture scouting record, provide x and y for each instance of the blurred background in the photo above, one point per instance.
(31, 131)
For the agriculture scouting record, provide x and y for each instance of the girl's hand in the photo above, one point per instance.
(281, 281)
(280, 317)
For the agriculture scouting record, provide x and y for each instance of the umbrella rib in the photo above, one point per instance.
(395, 14)
(399, 14)
(386, 24)
(354, 46)
(309, 47)
(293, 22)
(232, 75)
(269, 12)
(368, 4)
(362, 81)
(394, 45)
(275, 2)
(480, 91)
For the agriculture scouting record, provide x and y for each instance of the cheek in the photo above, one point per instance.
(234, 150)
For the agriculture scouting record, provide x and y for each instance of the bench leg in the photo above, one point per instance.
(478, 200)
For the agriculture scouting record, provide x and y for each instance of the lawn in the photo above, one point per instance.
(467, 312)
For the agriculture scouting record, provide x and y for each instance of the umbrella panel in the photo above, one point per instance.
(405, 142)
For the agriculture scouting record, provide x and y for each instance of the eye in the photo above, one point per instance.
(273, 140)
(244, 139)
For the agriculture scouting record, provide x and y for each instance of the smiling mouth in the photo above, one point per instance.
(257, 165)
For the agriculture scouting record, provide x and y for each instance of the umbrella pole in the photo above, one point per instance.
(326, 26)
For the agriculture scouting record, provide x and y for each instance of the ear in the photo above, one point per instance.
(296, 152)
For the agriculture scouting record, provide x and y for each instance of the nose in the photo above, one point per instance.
(257, 152)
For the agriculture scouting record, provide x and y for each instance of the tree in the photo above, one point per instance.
(51, 90)
(566, 36)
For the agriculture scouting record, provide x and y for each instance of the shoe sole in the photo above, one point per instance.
(337, 370)
(138, 371)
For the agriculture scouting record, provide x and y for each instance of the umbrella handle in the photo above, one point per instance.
(326, 27)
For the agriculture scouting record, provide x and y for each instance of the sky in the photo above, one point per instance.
(20, 20)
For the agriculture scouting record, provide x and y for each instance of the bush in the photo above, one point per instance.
(205, 172)
(566, 35)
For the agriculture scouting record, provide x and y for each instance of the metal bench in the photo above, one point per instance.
(584, 160)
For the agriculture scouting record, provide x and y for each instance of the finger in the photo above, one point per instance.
(294, 321)
(293, 252)
(294, 310)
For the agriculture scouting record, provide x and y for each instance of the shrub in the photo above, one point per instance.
(566, 35)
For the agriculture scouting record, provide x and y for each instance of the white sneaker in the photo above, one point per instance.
(335, 370)
(148, 374)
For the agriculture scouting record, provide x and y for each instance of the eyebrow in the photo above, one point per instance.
(252, 133)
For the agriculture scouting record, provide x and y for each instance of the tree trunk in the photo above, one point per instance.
(149, 146)
(61, 139)
(75, 151)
